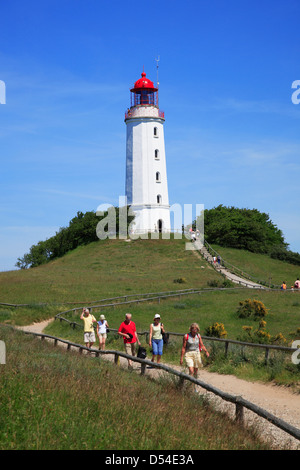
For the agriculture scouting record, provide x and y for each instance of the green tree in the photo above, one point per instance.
(81, 231)
(246, 229)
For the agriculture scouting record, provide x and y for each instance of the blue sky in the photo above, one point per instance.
(232, 132)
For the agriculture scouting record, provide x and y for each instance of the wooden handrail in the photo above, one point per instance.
(237, 400)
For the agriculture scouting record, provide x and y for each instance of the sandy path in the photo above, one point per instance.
(279, 401)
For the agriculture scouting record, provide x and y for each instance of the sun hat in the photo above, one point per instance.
(102, 317)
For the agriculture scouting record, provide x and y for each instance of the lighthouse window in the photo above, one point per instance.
(158, 177)
(158, 199)
(155, 131)
(156, 154)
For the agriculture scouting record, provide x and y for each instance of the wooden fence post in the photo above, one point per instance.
(117, 359)
(226, 348)
(239, 413)
(181, 383)
(267, 355)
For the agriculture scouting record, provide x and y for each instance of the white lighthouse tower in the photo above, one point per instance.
(146, 172)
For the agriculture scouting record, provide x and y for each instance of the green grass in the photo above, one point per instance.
(261, 267)
(205, 309)
(54, 399)
(113, 267)
(106, 269)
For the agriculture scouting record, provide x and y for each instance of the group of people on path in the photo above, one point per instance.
(191, 347)
(217, 259)
(295, 286)
(89, 332)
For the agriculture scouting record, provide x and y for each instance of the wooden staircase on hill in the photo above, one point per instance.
(218, 266)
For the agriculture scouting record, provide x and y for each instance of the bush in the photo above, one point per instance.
(82, 230)
(225, 283)
(283, 254)
(180, 280)
(216, 330)
(261, 335)
(246, 229)
(251, 308)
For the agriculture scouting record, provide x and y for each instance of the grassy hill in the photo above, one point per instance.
(261, 267)
(113, 268)
(52, 399)
(42, 388)
(106, 269)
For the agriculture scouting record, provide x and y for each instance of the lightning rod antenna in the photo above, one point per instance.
(157, 60)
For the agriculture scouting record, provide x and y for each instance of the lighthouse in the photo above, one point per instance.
(146, 172)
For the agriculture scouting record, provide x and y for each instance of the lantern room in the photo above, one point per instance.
(144, 93)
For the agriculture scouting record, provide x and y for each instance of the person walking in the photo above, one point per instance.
(127, 329)
(88, 327)
(156, 338)
(191, 347)
(102, 326)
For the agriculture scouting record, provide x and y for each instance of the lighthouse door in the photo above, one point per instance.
(160, 225)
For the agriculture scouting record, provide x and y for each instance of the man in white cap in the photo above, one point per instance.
(102, 326)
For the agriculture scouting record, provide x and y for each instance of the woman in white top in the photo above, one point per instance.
(102, 326)
(155, 338)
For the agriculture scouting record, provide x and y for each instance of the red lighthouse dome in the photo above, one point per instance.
(144, 93)
(143, 83)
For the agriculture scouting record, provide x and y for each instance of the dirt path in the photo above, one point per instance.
(279, 401)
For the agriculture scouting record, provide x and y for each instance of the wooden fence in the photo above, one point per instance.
(226, 342)
(239, 402)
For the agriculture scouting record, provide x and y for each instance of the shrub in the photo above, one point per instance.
(251, 308)
(295, 334)
(180, 280)
(225, 283)
(261, 335)
(216, 330)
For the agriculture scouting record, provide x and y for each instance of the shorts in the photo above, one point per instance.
(89, 337)
(157, 346)
(193, 359)
(130, 349)
(102, 335)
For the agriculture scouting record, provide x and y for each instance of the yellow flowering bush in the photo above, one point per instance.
(217, 330)
(251, 308)
(261, 335)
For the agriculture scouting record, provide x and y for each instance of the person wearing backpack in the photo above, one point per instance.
(191, 347)
(127, 329)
